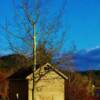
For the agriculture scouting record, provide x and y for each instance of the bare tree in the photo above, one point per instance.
(36, 18)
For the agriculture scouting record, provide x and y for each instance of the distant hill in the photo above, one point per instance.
(11, 63)
(82, 60)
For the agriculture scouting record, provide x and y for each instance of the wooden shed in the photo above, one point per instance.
(49, 83)
(20, 84)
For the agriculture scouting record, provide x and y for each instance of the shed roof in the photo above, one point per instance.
(22, 73)
(43, 70)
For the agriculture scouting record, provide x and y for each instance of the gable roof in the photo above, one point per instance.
(43, 70)
(23, 72)
(57, 71)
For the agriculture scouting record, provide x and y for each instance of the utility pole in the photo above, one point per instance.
(34, 61)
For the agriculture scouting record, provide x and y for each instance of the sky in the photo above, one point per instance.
(82, 22)
(88, 59)
(6, 12)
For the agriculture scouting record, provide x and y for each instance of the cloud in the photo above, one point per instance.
(88, 59)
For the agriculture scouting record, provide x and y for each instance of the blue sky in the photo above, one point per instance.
(5, 12)
(82, 20)
(84, 23)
